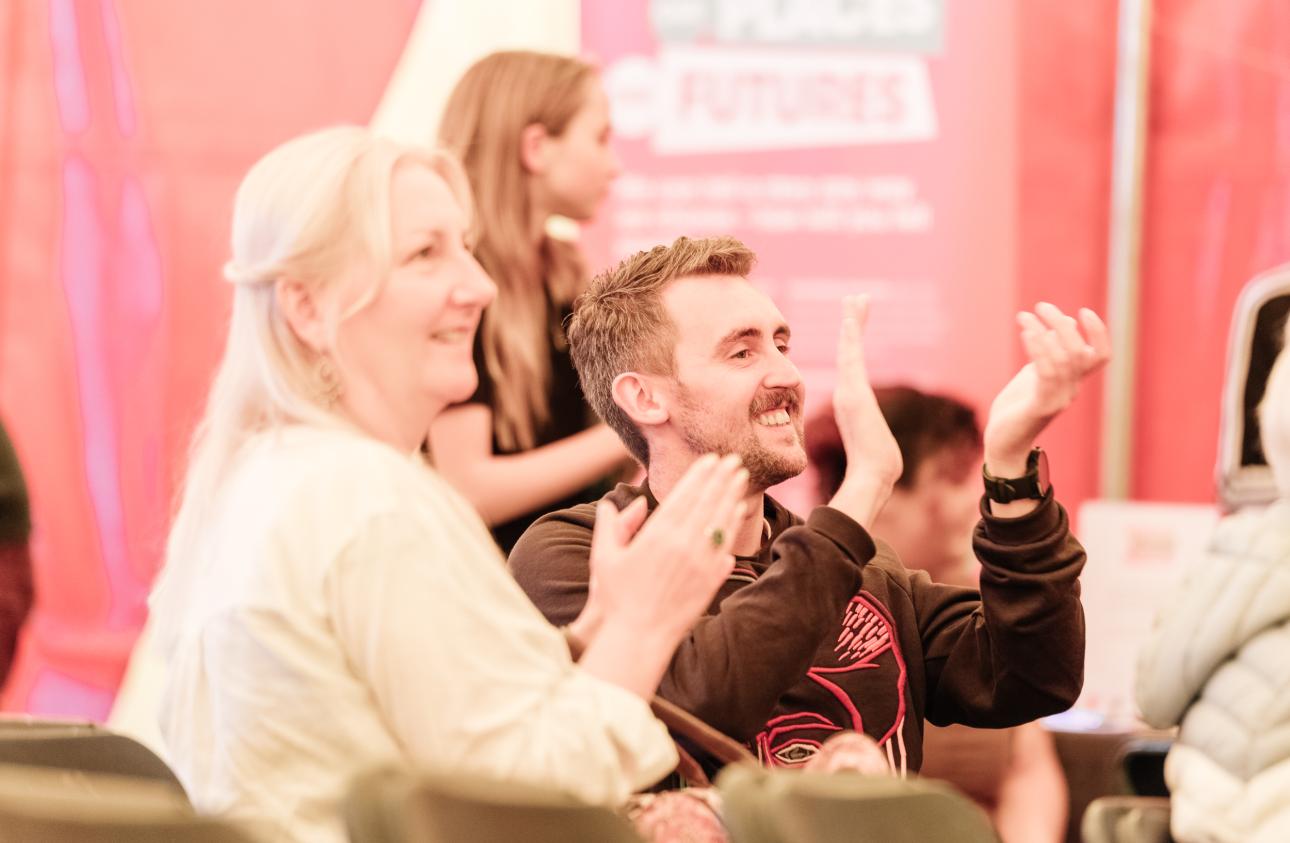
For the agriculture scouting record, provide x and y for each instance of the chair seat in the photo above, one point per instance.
(1127, 819)
(764, 806)
(61, 806)
(393, 807)
(78, 745)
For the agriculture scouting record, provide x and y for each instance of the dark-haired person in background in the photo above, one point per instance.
(1013, 773)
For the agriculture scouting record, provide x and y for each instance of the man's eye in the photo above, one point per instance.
(783, 349)
(742, 354)
(425, 253)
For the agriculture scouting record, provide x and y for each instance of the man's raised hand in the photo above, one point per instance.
(873, 458)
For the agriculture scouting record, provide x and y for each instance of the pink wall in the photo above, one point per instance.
(1217, 213)
(127, 125)
(1066, 91)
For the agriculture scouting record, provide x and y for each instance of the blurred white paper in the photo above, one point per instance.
(1136, 553)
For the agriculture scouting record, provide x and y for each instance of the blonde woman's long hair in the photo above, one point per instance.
(482, 123)
(310, 209)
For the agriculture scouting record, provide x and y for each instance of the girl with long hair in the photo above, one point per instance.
(533, 131)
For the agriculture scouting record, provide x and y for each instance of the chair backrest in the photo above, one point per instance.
(29, 724)
(697, 740)
(1127, 819)
(1243, 476)
(376, 807)
(1092, 762)
(75, 745)
(765, 806)
(391, 807)
(57, 805)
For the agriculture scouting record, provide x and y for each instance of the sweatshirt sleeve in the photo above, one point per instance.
(735, 664)
(469, 675)
(1018, 652)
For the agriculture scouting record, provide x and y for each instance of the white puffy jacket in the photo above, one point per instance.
(1218, 662)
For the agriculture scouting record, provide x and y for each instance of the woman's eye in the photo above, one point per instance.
(425, 253)
(783, 349)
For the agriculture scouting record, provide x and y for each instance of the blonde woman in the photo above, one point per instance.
(329, 603)
(533, 132)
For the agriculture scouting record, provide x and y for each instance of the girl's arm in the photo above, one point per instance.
(502, 487)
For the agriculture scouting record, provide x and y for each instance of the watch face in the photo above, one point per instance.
(1041, 469)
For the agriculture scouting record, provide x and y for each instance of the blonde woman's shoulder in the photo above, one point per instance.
(359, 476)
(332, 467)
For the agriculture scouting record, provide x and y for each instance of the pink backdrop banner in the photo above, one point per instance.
(871, 148)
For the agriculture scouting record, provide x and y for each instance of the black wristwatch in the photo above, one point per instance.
(1032, 485)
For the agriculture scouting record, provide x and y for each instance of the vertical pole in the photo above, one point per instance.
(1133, 66)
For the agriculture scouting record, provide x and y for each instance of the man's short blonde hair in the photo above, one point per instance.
(619, 323)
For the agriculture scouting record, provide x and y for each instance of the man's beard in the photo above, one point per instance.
(704, 433)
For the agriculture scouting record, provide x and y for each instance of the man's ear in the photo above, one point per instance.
(301, 309)
(638, 397)
(533, 140)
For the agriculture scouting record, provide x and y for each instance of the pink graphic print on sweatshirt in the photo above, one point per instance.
(866, 641)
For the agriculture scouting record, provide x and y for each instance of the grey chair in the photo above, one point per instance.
(1127, 819)
(376, 807)
(1093, 763)
(765, 806)
(393, 807)
(30, 723)
(48, 805)
(79, 745)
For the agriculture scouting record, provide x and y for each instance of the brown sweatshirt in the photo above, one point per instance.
(825, 631)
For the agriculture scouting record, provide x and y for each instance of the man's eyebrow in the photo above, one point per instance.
(739, 334)
(750, 333)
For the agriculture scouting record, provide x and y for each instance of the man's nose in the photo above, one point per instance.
(783, 374)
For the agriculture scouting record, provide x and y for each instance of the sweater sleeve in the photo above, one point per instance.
(1236, 591)
(470, 678)
(735, 664)
(1177, 656)
(1017, 653)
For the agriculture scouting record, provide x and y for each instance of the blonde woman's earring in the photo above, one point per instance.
(329, 382)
